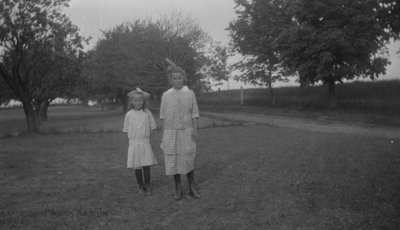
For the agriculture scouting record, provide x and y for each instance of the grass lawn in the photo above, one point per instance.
(250, 177)
(78, 119)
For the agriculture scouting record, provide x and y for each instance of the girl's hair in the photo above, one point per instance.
(132, 94)
(175, 69)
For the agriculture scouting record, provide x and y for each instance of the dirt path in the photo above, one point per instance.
(320, 125)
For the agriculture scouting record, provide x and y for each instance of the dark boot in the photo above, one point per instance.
(178, 188)
(192, 190)
(147, 188)
(139, 179)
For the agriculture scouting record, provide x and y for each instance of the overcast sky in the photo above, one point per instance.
(92, 15)
(212, 15)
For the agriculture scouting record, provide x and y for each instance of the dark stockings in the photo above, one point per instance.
(146, 171)
(139, 179)
(144, 185)
(178, 188)
(192, 191)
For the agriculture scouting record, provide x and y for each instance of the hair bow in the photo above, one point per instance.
(138, 90)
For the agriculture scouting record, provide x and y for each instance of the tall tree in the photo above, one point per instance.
(256, 73)
(35, 39)
(217, 68)
(329, 41)
(187, 44)
(5, 93)
(254, 35)
(133, 55)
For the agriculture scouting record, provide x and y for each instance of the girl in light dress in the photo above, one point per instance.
(138, 124)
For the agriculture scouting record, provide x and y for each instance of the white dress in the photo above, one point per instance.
(138, 125)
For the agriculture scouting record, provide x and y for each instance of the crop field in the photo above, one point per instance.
(250, 177)
(382, 97)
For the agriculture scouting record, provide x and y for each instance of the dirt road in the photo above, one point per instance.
(319, 125)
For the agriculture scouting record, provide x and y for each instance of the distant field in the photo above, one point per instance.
(382, 97)
(78, 119)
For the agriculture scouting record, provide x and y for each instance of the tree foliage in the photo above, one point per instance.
(322, 41)
(133, 55)
(254, 35)
(5, 93)
(216, 67)
(39, 49)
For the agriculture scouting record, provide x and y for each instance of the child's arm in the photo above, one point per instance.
(194, 122)
(195, 116)
(162, 127)
(163, 114)
(126, 124)
(152, 122)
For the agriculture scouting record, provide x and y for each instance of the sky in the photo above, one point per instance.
(92, 16)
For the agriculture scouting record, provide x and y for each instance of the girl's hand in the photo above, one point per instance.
(194, 134)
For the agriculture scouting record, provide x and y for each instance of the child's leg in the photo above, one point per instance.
(139, 179)
(193, 192)
(146, 171)
(178, 188)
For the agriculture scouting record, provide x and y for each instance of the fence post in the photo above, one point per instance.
(241, 95)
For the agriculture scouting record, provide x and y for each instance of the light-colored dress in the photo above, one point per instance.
(178, 108)
(138, 125)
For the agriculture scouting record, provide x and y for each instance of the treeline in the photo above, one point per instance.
(42, 57)
(376, 97)
(326, 42)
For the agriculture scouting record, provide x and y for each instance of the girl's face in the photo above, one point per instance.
(177, 80)
(137, 102)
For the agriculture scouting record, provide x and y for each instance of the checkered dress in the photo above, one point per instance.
(178, 108)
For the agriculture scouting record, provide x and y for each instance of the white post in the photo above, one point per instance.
(241, 95)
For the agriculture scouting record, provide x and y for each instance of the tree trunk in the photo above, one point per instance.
(271, 91)
(124, 101)
(102, 105)
(32, 122)
(332, 95)
(43, 111)
(85, 102)
(271, 94)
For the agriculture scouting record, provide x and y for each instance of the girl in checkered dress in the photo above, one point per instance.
(179, 113)
(139, 123)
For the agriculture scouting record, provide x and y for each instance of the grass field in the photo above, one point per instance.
(249, 176)
(380, 97)
(76, 119)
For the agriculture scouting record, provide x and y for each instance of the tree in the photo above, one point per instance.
(62, 79)
(217, 67)
(256, 73)
(133, 55)
(5, 93)
(328, 41)
(127, 57)
(35, 40)
(187, 44)
(254, 35)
